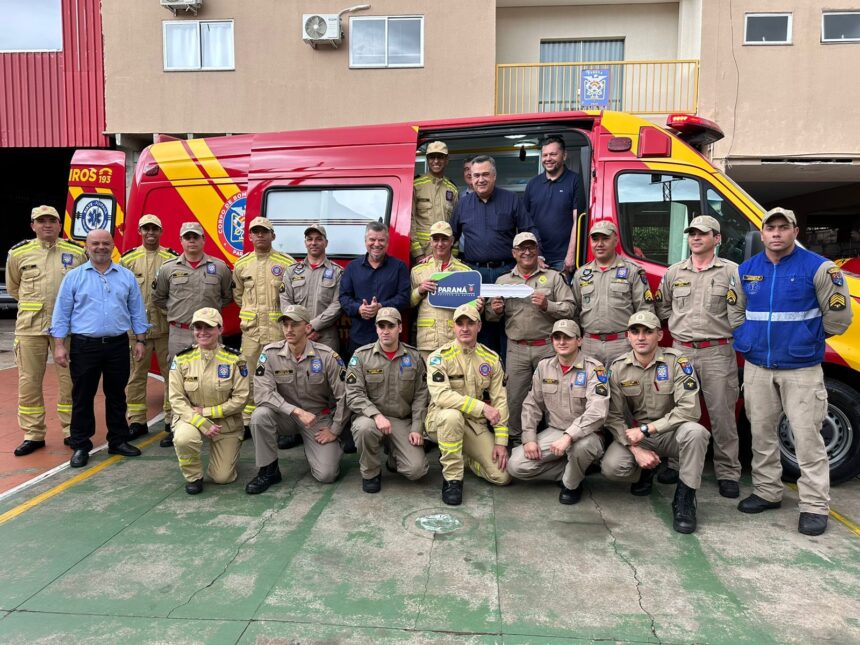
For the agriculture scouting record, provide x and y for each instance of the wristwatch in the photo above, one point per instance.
(643, 428)
(142, 342)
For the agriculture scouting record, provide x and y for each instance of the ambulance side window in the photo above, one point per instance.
(736, 231)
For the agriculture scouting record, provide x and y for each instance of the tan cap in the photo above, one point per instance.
(149, 219)
(469, 310)
(208, 316)
(519, 238)
(603, 227)
(191, 227)
(437, 148)
(645, 318)
(567, 327)
(319, 228)
(296, 312)
(42, 211)
(441, 228)
(388, 314)
(780, 212)
(703, 223)
(261, 221)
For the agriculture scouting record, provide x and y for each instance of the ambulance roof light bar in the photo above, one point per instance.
(695, 130)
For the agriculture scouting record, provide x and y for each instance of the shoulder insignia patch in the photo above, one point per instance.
(836, 276)
(350, 378)
(601, 389)
(435, 360)
(338, 359)
(690, 384)
(649, 297)
(190, 348)
(282, 288)
(600, 373)
(263, 358)
(642, 277)
(836, 302)
(685, 365)
(731, 297)
(173, 364)
(658, 295)
(261, 369)
(438, 377)
(353, 361)
(232, 350)
(243, 369)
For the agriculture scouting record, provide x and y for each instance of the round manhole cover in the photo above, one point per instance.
(438, 523)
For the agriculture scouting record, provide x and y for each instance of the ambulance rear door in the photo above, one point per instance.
(96, 195)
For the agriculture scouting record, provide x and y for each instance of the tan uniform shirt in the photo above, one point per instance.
(318, 290)
(695, 301)
(395, 388)
(460, 378)
(257, 280)
(525, 321)
(313, 382)
(145, 265)
(435, 325)
(605, 300)
(433, 200)
(216, 381)
(33, 275)
(577, 402)
(665, 393)
(182, 290)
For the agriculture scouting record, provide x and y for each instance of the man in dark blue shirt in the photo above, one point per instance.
(370, 283)
(552, 199)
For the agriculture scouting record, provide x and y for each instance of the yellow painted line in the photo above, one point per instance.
(56, 490)
(839, 517)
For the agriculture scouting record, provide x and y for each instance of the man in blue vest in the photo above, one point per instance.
(792, 300)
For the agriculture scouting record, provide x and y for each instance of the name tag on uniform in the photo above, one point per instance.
(223, 371)
(316, 366)
(629, 383)
(580, 378)
(376, 371)
(662, 372)
(550, 381)
(621, 273)
(681, 283)
(211, 269)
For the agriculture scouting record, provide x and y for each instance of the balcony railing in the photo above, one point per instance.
(639, 87)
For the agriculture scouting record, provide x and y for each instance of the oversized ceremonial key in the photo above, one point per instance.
(455, 288)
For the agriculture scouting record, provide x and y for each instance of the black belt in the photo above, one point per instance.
(101, 340)
(489, 265)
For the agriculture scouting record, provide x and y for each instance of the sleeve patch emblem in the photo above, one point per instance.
(173, 364)
(731, 297)
(263, 358)
(350, 379)
(837, 302)
(600, 373)
(649, 297)
(353, 361)
(435, 360)
(282, 288)
(601, 389)
(690, 384)
(243, 370)
(338, 359)
(438, 377)
(260, 370)
(836, 276)
(658, 295)
(685, 365)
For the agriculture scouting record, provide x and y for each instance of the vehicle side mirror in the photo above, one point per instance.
(752, 244)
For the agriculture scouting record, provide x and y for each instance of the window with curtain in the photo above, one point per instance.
(559, 85)
(386, 41)
(198, 45)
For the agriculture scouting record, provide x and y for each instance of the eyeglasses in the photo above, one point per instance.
(191, 236)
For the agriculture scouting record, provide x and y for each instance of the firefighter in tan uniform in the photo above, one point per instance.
(693, 297)
(185, 284)
(657, 388)
(208, 389)
(257, 280)
(573, 390)
(435, 326)
(145, 261)
(607, 291)
(461, 376)
(386, 388)
(34, 270)
(433, 199)
(528, 321)
(299, 387)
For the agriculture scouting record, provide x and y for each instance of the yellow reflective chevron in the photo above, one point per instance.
(197, 421)
(425, 322)
(246, 314)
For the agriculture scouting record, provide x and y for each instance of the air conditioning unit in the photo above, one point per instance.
(321, 29)
(189, 6)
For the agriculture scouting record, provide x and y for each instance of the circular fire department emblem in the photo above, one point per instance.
(231, 223)
(94, 216)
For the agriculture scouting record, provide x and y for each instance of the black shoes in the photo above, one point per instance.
(812, 523)
(684, 509)
(137, 430)
(167, 442)
(755, 504)
(28, 446)
(195, 487)
(570, 495)
(266, 476)
(372, 485)
(452, 492)
(729, 488)
(668, 476)
(124, 449)
(247, 434)
(287, 441)
(347, 442)
(79, 459)
(644, 485)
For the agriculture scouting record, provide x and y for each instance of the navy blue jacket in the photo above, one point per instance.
(360, 281)
(488, 229)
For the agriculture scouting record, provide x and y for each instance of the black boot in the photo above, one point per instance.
(137, 430)
(167, 442)
(684, 509)
(287, 441)
(668, 476)
(452, 492)
(266, 476)
(645, 483)
(570, 495)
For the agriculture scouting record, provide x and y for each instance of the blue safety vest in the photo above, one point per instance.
(783, 327)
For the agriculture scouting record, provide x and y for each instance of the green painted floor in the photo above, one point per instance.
(127, 557)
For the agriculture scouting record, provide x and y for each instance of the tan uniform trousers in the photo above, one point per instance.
(177, 340)
(251, 350)
(521, 363)
(604, 351)
(223, 453)
(410, 461)
(570, 470)
(266, 424)
(688, 443)
(717, 369)
(135, 393)
(469, 437)
(800, 393)
(31, 357)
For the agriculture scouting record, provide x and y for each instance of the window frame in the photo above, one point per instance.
(44, 50)
(836, 41)
(386, 20)
(788, 28)
(200, 67)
